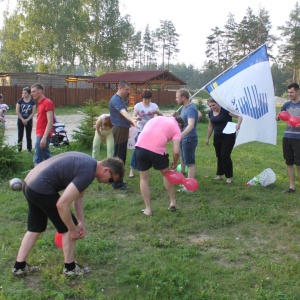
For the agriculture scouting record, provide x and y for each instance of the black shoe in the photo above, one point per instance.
(121, 186)
(288, 191)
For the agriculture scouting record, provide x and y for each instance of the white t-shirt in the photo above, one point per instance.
(145, 113)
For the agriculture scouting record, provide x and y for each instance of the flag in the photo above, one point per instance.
(247, 90)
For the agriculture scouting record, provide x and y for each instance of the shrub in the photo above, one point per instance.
(203, 109)
(84, 134)
(9, 160)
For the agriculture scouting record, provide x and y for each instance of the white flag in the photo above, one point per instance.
(247, 90)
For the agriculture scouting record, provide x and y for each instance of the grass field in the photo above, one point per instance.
(224, 242)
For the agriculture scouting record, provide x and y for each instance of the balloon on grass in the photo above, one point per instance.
(175, 177)
(179, 168)
(284, 115)
(58, 240)
(191, 184)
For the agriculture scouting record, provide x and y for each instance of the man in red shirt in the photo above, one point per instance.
(44, 124)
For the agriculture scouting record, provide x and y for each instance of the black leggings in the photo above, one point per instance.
(223, 147)
(28, 129)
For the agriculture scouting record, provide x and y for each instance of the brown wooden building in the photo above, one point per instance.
(70, 90)
(162, 83)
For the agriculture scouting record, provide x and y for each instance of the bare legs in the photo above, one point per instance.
(30, 238)
(291, 174)
(27, 244)
(68, 248)
(145, 190)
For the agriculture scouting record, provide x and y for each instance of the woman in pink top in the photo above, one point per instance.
(151, 152)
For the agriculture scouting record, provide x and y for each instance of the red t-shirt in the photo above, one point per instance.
(41, 121)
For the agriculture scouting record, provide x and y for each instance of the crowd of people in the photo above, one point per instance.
(61, 181)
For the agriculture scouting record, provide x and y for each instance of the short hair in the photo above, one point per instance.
(211, 100)
(147, 94)
(115, 164)
(179, 121)
(294, 85)
(124, 83)
(184, 93)
(38, 86)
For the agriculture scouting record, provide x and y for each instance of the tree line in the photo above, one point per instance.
(90, 37)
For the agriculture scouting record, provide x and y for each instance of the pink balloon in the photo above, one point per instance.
(58, 240)
(175, 177)
(284, 115)
(293, 120)
(191, 184)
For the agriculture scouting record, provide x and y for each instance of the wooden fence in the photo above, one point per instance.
(77, 96)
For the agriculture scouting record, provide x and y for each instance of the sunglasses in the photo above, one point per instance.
(111, 179)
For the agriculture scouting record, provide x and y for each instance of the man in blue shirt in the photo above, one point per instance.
(121, 121)
(189, 139)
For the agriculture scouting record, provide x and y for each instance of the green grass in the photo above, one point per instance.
(224, 242)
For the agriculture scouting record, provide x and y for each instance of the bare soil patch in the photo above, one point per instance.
(11, 129)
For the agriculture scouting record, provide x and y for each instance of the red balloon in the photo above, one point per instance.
(58, 240)
(191, 184)
(175, 177)
(293, 120)
(284, 115)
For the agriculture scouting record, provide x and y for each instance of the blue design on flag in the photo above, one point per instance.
(252, 104)
(247, 90)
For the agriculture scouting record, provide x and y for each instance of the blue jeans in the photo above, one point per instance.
(187, 149)
(41, 154)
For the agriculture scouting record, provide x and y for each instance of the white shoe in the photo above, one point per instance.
(183, 189)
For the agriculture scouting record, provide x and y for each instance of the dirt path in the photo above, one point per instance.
(11, 130)
(71, 122)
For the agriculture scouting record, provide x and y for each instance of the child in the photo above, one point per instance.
(3, 109)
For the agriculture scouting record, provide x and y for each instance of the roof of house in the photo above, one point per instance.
(136, 77)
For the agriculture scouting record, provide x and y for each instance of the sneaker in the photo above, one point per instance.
(183, 189)
(23, 272)
(124, 187)
(289, 190)
(78, 271)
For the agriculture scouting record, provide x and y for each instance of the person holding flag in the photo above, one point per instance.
(223, 143)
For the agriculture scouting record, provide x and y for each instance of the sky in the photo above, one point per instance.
(194, 19)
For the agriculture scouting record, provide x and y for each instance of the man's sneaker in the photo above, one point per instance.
(78, 271)
(183, 189)
(123, 186)
(23, 272)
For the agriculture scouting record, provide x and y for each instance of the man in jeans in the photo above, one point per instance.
(44, 124)
(189, 139)
(121, 121)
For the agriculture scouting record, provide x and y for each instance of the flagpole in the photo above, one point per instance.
(232, 66)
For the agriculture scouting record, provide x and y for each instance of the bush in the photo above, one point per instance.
(9, 160)
(84, 135)
(203, 109)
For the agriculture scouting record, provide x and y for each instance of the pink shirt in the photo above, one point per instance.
(157, 133)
